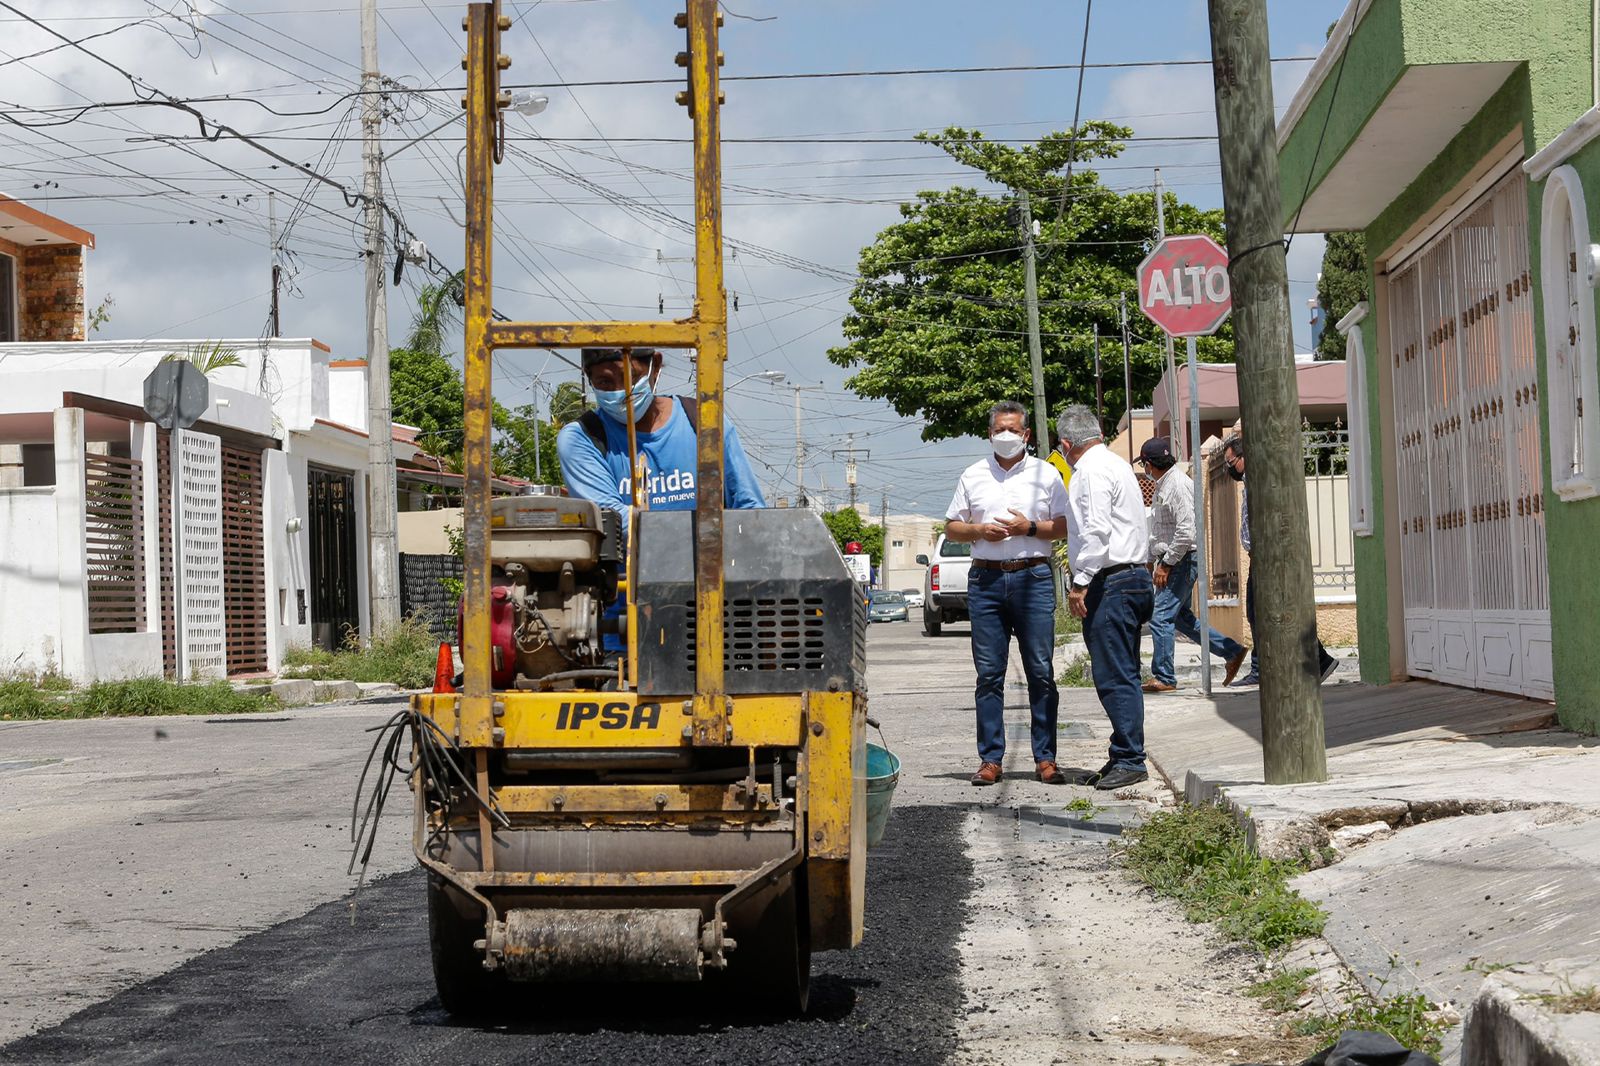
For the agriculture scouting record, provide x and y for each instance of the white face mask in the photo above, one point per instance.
(1007, 445)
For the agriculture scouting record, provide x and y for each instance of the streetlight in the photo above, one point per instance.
(529, 103)
(774, 377)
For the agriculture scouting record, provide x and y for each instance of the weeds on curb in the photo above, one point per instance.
(1281, 992)
(1067, 625)
(1084, 808)
(20, 700)
(1571, 1000)
(1409, 1018)
(1076, 675)
(404, 655)
(1199, 857)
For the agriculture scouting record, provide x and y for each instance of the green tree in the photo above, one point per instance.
(206, 356)
(846, 525)
(566, 403)
(938, 326)
(1343, 284)
(425, 391)
(518, 442)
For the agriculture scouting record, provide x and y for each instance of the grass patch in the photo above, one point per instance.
(22, 701)
(1572, 1000)
(1085, 808)
(1077, 674)
(404, 656)
(1282, 991)
(1066, 624)
(1199, 857)
(1409, 1019)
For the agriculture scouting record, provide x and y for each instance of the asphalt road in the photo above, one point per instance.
(183, 900)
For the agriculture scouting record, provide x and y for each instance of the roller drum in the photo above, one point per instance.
(600, 945)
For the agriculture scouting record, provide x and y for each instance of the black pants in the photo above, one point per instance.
(1323, 658)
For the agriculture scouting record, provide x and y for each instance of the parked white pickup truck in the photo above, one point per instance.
(944, 584)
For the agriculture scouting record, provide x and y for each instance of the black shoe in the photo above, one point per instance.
(1077, 775)
(1252, 678)
(1117, 778)
(1328, 668)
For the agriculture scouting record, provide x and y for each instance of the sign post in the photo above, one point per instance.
(1183, 288)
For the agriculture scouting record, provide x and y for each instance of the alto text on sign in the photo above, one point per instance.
(1183, 286)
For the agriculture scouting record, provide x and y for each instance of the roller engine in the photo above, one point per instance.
(555, 563)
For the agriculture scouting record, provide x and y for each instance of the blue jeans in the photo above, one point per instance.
(1002, 605)
(1173, 612)
(1323, 658)
(1119, 606)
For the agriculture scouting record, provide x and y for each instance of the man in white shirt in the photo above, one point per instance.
(1172, 542)
(1010, 506)
(1108, 540)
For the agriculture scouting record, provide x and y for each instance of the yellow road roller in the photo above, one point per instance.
(696, 804)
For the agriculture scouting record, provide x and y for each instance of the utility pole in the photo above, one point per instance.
(883, 520)
(383, 562)
(1172, 361)
(273, 329)
(1041, 417)
(1099, 384)
(799, 447)
(1127, 374)
(850, 451)
(1292, 730)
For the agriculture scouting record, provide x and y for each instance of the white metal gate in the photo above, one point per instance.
(1472, 540)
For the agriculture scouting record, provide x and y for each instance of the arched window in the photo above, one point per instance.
(1569, 327)
(1359, 466)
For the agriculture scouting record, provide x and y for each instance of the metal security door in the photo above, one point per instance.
(244, 562)
(333, 556)
(1474, 576)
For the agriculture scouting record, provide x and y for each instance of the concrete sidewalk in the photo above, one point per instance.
(1458, 834)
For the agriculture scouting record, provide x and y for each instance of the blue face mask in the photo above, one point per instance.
(614, 402)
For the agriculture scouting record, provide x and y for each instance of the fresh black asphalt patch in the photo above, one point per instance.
(317, 990)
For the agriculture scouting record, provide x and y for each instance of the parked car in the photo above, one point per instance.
(944, 584)
(913, 598)
(886, 605)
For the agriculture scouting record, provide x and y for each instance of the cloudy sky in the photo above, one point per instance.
(182, 223)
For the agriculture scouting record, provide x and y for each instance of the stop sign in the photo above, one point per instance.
(1183, 285)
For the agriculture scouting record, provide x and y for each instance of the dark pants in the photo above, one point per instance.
(1119, 606)
(1323, 658)
(1174, 614)
(1003, 604)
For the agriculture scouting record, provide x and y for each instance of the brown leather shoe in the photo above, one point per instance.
(1159, 686)
(1233, 668)
(988, 774)
(1048, 772)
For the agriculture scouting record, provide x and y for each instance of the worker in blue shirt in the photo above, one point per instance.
(594, 449)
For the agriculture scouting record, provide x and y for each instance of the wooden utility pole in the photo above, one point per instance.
(1280, 572)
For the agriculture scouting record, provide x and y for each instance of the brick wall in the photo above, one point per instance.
(50, 294)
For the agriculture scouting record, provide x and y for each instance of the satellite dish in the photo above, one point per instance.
(176, 394)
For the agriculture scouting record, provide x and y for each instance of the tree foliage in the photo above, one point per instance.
(426, 391)
(846, 525)
(1343, 285)
(938, 323)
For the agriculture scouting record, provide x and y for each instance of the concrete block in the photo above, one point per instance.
(1353, 836)
(370, 689)
(334, 691)
(295, 692)
(1522, 1017)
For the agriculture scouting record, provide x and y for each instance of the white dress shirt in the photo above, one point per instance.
(987, 492)
(1172, 518)
(1106, 523)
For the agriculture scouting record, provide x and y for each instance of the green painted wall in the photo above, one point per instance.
(1572, 530)
(1550, 39)
(1372, 581)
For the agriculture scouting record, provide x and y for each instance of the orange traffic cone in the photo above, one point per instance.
(444, 673)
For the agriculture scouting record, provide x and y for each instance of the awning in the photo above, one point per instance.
(1322, 389)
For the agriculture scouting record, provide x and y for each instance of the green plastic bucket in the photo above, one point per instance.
(883, 773)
